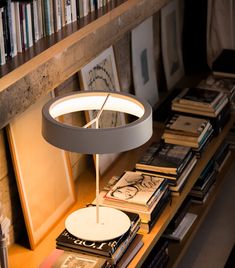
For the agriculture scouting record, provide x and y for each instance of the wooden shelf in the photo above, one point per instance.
(44, 69)
(85, 193)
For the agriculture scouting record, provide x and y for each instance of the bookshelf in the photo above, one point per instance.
(51, 61)
(86, 193)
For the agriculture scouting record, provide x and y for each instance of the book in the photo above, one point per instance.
(182, 229)
(201, 97)
(187, 131)
(187, 126)
(59, 258)
(136, 187)
(131, 251)
(164, 158)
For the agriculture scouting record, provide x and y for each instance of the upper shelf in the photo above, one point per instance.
(30, 76)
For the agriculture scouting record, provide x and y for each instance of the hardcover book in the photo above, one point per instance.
(164, 158)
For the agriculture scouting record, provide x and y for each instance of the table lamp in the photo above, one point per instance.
(97, 223)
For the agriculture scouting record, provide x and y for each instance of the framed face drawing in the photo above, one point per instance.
(144, 73)
(171, 43)
(101, 74)
(43, 174)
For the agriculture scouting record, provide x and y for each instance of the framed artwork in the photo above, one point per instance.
(43, 174)
(171, 43)
(143, 66)
(101, 74)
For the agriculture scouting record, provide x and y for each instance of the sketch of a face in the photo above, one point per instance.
(125, 192)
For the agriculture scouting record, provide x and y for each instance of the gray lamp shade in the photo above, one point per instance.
(97, 140)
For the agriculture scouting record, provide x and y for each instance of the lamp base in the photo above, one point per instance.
(112, 223)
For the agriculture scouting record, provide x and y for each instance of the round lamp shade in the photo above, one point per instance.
(97, 140)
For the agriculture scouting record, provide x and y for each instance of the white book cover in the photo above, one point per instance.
(18, 30)
(35, 21)
(57, 15)
(68, 12)
(74, 10)
(40, 18)
(135, 187)
(86, 7)
(29, 27)
(2, 46)
(92, 5)
(13, 20)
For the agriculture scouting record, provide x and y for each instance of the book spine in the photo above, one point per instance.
(68, 12)
(2, 45)
(29, 31)
(47, 17)
(40, 19)
(18, 28)
(13, 18)
(86, 8)
(81, 11)
(74, 10)
(10, 30)
(35, 21)
(58, 15)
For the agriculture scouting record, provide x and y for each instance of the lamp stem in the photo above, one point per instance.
(97, 180)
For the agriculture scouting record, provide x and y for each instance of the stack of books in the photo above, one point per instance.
(188, 131)
(170, 161)
(207, 103)
(140, 193)
(221, 84)
(112, 250)
(204, 184)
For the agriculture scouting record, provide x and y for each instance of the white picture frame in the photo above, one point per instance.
(171, 43)
(101, 74)
(43, 174)
(143, 65)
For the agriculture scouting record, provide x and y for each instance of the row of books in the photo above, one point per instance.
(183, 220)
(22, 23)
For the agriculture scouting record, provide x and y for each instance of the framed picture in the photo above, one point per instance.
(101, 74)
(171, 43)
(43, 174)
(143, 66)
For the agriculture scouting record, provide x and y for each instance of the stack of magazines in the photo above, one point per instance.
(188, 131)
(140, 193)
(112, 251)
(204, 184)
(170, 161)
(207, 103)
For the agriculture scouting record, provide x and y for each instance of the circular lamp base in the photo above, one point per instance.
(112, 223)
